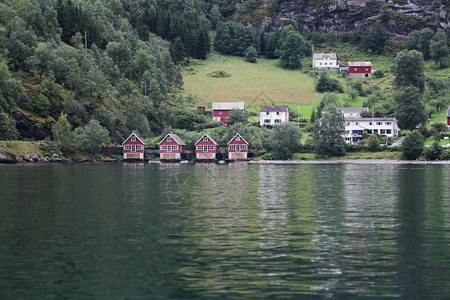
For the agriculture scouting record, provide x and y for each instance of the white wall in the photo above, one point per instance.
(273, 118)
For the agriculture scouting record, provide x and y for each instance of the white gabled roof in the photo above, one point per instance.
(324, 55)
(207, 135)
(228, 105)
(131, 136)
(175, 137)
(237, 134)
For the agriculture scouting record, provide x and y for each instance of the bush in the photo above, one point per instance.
(327, 84)
(413, 146)
(434, 152)
(378, 74)
(251, 54)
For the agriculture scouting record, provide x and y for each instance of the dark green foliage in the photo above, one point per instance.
(328, 133)
(409, 69)
(284, 140)
(434, 152)
(373, 143)
(8, 129)
(251, 54)
(413, 145)
(375, 39)
(313, 116)
(292, 47)
(420, 40)
(385, 13)
(378, 74)
(63, 134)
(234, 38)
(439, 48)
(250, 5)
(270, 44)
(410, 109)
(236, 116)
(327, 84)
(91, 137)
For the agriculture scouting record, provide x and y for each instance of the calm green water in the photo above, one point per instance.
(134, 231)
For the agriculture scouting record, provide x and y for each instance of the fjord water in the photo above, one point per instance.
(170, 231)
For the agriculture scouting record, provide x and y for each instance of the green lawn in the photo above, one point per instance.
(430, 141)
(257, 84)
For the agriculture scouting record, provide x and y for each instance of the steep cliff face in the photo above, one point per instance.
(347, 15)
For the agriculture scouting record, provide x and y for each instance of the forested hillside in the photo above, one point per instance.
(70, 69)
(109, 61)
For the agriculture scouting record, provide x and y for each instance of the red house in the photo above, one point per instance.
(448, 117)
(237, 147)
(206, 147)
(360, 69)
(221, 110)
(133, 147)
(171, 147)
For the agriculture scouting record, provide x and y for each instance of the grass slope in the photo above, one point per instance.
(255, 84)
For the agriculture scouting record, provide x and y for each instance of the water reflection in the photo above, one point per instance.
(232, 231)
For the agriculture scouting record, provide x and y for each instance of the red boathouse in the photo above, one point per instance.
(360, 69)
(206, 147)
(237, 147)
(171, 147)
(133, 147)
(448, 117)
(221, 110)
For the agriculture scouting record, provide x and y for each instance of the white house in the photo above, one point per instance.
(352, 112)
(354, 127)
(271, 115)
(325, 61)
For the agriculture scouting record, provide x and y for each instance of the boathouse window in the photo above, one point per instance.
(205, 139)
(127, 147)
(133, 148)
(238, 138)
(133, 138)
(210, 147)
(169, 139)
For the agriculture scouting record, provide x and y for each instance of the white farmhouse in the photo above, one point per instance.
(352, 112)
(354, 127)
(325, 61)
(271, 115)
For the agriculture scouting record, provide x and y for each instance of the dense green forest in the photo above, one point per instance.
(70, 69)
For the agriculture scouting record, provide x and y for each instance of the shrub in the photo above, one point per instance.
(378, 74)
(413, 145)
(251, 54)
(327, 84)
(434, 152)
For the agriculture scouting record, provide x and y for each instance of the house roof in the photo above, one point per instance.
(448, 112)
(135, 136)
(370, 119)
(175, 137)
(359, 64)
(208, 136)
(274, 108)
(237, 134)
(324, 55)
(353, 110)
(228, 105)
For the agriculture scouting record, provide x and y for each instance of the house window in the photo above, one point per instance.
(205, 139)
(278, 113)
(356, 69)
(379, 123)
(277, 121)
(370, 123)
(266, 121)
(388, 131)
(356, 123)
(238, 138)
(367, 69)
(325, 64)
(169, 139)
(382, 131)
(267, 113)
(320, 63)
(133, 138)
(387, 123)
(220, 113)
